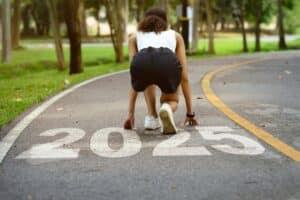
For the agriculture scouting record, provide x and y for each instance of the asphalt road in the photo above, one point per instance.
(73, 146)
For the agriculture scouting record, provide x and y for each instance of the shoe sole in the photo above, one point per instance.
(151, 129)
(168, 126)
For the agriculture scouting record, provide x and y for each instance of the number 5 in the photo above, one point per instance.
(251, 147)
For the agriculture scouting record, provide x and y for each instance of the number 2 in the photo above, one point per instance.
(54, 150)
(170, 147)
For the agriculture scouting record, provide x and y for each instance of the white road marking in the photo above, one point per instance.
(55, 150)
(250, 147)
(7, 142)
(170, 147)
(131, 143)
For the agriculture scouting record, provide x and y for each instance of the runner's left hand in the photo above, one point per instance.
(190, 121)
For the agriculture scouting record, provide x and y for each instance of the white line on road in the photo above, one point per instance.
(8, 141)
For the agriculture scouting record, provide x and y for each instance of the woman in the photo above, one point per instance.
(158, 58)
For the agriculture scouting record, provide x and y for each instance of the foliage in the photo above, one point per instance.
(268, 10)
(292, 16)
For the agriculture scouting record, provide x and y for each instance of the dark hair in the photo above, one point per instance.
(155, 21)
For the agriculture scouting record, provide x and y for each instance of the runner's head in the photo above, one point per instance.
(155, 20)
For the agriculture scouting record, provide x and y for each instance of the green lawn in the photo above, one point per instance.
(32, 75)
(224, 47)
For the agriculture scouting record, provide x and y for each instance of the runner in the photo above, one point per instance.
(157, 57)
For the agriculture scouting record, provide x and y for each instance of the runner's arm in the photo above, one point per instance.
(180, 52)
(132, 48)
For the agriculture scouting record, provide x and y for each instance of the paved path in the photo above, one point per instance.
(97, 44)
(74, 148)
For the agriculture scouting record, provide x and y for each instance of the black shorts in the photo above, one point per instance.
(158, 66)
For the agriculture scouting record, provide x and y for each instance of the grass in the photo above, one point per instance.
(225, 47)
(32, 76)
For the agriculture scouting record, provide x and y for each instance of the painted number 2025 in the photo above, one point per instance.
(132, 144)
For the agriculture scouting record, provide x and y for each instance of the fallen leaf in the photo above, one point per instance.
(59, 109)
(66, 82)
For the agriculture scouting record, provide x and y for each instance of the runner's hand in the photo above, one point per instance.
(190, 121)
(129, 123)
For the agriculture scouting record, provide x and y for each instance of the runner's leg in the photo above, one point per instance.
(149, 94)
(171, 99)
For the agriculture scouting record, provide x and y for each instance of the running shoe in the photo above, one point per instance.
(151, 123)
(167, 120)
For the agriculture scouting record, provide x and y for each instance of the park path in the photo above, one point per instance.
(76, 148)
(97, 44)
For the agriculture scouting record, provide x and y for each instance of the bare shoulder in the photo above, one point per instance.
(179, 39)
(178, 36)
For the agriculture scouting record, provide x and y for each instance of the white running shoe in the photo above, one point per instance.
(151, 123)
(167, 120)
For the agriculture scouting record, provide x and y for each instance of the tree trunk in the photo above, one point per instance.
(185, 24)
(196, 12)
(164, 5)
(98, 22)
(258, 16)
(223, 21)
(6, 35)
(115, 11)
(16, 24)
(140, 10)
(242, 21)
(56, 33)
(1, 25)
(126, 15)
(282, 43)
(26, 21)
(84, 31)
(211, 48)
(73, 16)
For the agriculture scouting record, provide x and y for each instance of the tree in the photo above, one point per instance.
(126, 18)
(258, 19)
(291, 16)
(84, 31)
(16, 24)
(115, 11)
(40, 14)
(94, 5)
(25, 15)
(196, 13)
(73, 9)
(52, 4)
(239, 13)
(6, 35)
(223, 11)
(141, 4)
(185, 24)
(281, 43)
(164, 5)
(211, 48)
(259, 11)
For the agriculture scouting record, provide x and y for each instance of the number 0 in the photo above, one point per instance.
(131, 143)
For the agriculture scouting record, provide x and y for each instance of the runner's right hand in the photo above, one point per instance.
(129, 123)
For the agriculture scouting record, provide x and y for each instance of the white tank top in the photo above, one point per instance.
(151, 39)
